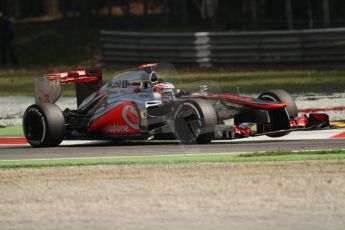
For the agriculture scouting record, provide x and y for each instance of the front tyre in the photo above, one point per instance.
(281, 96)
(44, 125)
(194, 121)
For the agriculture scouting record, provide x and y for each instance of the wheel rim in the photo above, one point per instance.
(187, 122)
(34, 126)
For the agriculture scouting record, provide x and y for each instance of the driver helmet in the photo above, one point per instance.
(165, 89)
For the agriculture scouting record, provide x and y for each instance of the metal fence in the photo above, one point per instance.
(225, 48)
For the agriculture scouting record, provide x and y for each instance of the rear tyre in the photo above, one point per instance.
(44, 125)
(281, 96)
(194, 121)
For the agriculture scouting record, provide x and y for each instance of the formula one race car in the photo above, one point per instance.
(140, 104)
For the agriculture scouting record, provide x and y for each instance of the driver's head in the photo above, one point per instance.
(166, 89)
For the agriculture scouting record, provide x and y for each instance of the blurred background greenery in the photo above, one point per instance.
(58, 35)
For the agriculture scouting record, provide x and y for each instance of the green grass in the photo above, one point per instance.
(12, 131)
(179, 159)
(20, 82)
(294, 81)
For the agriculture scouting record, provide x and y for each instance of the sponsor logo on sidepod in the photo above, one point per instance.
(129, 122)
(116, 129)
(131, 116)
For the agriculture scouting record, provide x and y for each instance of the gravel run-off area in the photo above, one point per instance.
(272, 195)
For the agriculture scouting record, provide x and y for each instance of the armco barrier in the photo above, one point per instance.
(224, 48)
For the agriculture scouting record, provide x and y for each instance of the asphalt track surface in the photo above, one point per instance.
(167, 148)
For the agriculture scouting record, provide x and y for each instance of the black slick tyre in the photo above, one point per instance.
(281, 96)
(194, 121)
(44, 125)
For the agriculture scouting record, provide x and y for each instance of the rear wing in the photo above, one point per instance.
(48, 89)
(75, 76)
